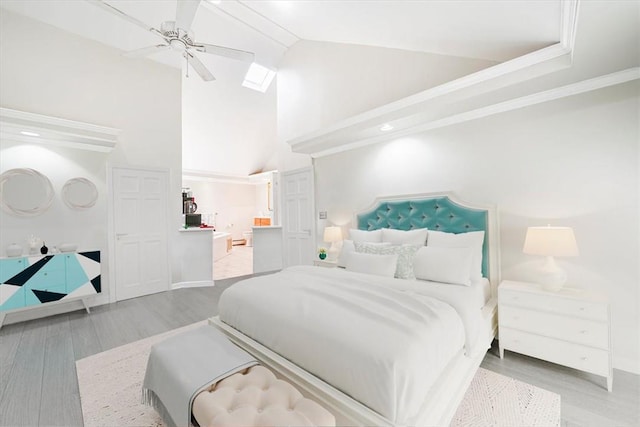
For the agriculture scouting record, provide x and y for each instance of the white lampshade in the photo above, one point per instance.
(332, 234)
(550, 241)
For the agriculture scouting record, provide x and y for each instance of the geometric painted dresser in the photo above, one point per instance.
(35, 280)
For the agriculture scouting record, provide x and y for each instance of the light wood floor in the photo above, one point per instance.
(38, 384)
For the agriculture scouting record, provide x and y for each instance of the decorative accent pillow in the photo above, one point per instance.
(441, 264)
(472, 240)
(405, 237)
(404, 269)
(348, 247)
(373, 236)
(380, 265)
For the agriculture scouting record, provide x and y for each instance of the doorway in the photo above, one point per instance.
(232, 204)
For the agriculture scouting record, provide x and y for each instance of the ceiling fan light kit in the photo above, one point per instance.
(177, 36)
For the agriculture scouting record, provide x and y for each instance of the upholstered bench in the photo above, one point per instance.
(255, 397)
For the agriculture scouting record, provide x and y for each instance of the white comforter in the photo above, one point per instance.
(382, 341)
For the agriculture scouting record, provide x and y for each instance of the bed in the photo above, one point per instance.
(377, 349)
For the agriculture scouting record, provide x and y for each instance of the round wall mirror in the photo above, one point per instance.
(25, 192)
(79, 193)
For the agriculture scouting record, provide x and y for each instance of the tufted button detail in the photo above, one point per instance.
(278, 401)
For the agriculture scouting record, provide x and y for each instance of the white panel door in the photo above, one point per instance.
(140, 225)
(298, 217)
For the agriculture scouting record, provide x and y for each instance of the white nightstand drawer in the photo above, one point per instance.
(576, 356)
(554, 303)
(572, 329)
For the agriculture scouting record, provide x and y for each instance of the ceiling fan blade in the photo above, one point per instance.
(240, 55)
(199, 67)
(146, 51)
(185, 12)
(106, 6)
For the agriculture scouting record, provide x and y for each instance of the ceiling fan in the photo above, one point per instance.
(177, 36)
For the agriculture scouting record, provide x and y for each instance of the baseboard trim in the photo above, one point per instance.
(194, 284)
(627, 364)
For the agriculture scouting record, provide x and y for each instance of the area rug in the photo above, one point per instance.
(110, 384)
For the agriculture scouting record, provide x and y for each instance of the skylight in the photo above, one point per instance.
(258, 77)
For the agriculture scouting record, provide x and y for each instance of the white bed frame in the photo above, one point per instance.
(446, 393)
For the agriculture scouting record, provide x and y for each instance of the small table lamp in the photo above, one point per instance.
(551, 241)
(332, 235)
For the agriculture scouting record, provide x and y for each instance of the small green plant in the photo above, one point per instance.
(322, 253)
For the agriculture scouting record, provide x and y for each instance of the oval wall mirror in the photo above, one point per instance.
(25, 192)
(79, 193)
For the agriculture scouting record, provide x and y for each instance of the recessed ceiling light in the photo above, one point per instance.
(386, 127)
(215, 1)
(27, 133)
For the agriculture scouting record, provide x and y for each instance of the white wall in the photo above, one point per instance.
(314, 77)
(48, 71)
(572, 162)
(228, 129)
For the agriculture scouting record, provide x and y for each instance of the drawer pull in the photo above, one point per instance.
(583, 332)
(45, 273)
(584, 359)
(581, 308)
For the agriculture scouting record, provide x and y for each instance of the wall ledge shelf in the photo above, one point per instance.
(22, 126)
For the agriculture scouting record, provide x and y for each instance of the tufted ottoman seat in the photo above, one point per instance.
(256, 397)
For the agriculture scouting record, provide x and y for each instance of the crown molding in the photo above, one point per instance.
(584, 86)
(55, 131)
(434, 105)
(209, 176)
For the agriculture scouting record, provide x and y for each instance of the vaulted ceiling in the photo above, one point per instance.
(486, 29)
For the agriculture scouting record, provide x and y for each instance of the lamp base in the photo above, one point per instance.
(552, 278)
(334, 251)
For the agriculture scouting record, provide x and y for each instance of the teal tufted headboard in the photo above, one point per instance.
(438, 213)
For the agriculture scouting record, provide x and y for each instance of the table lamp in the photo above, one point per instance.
(332, 235)
(551, 242)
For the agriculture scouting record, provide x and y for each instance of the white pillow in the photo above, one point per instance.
(405, 237)
(472, 240)
(373, 236)
(440, 264)
(348, 247)
(380, 265)
(404, 269)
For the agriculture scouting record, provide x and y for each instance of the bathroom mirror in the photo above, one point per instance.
(25, 192)
(79, 193)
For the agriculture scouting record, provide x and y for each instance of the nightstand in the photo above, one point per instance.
(325, 263)
(570, 327)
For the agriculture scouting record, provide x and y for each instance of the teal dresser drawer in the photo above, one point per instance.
(32, 281)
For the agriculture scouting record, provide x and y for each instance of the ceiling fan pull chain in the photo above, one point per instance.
(186, 57)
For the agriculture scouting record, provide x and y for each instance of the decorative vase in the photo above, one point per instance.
(322, 256)
(33, 243)
(14, 250)
(44, 249)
